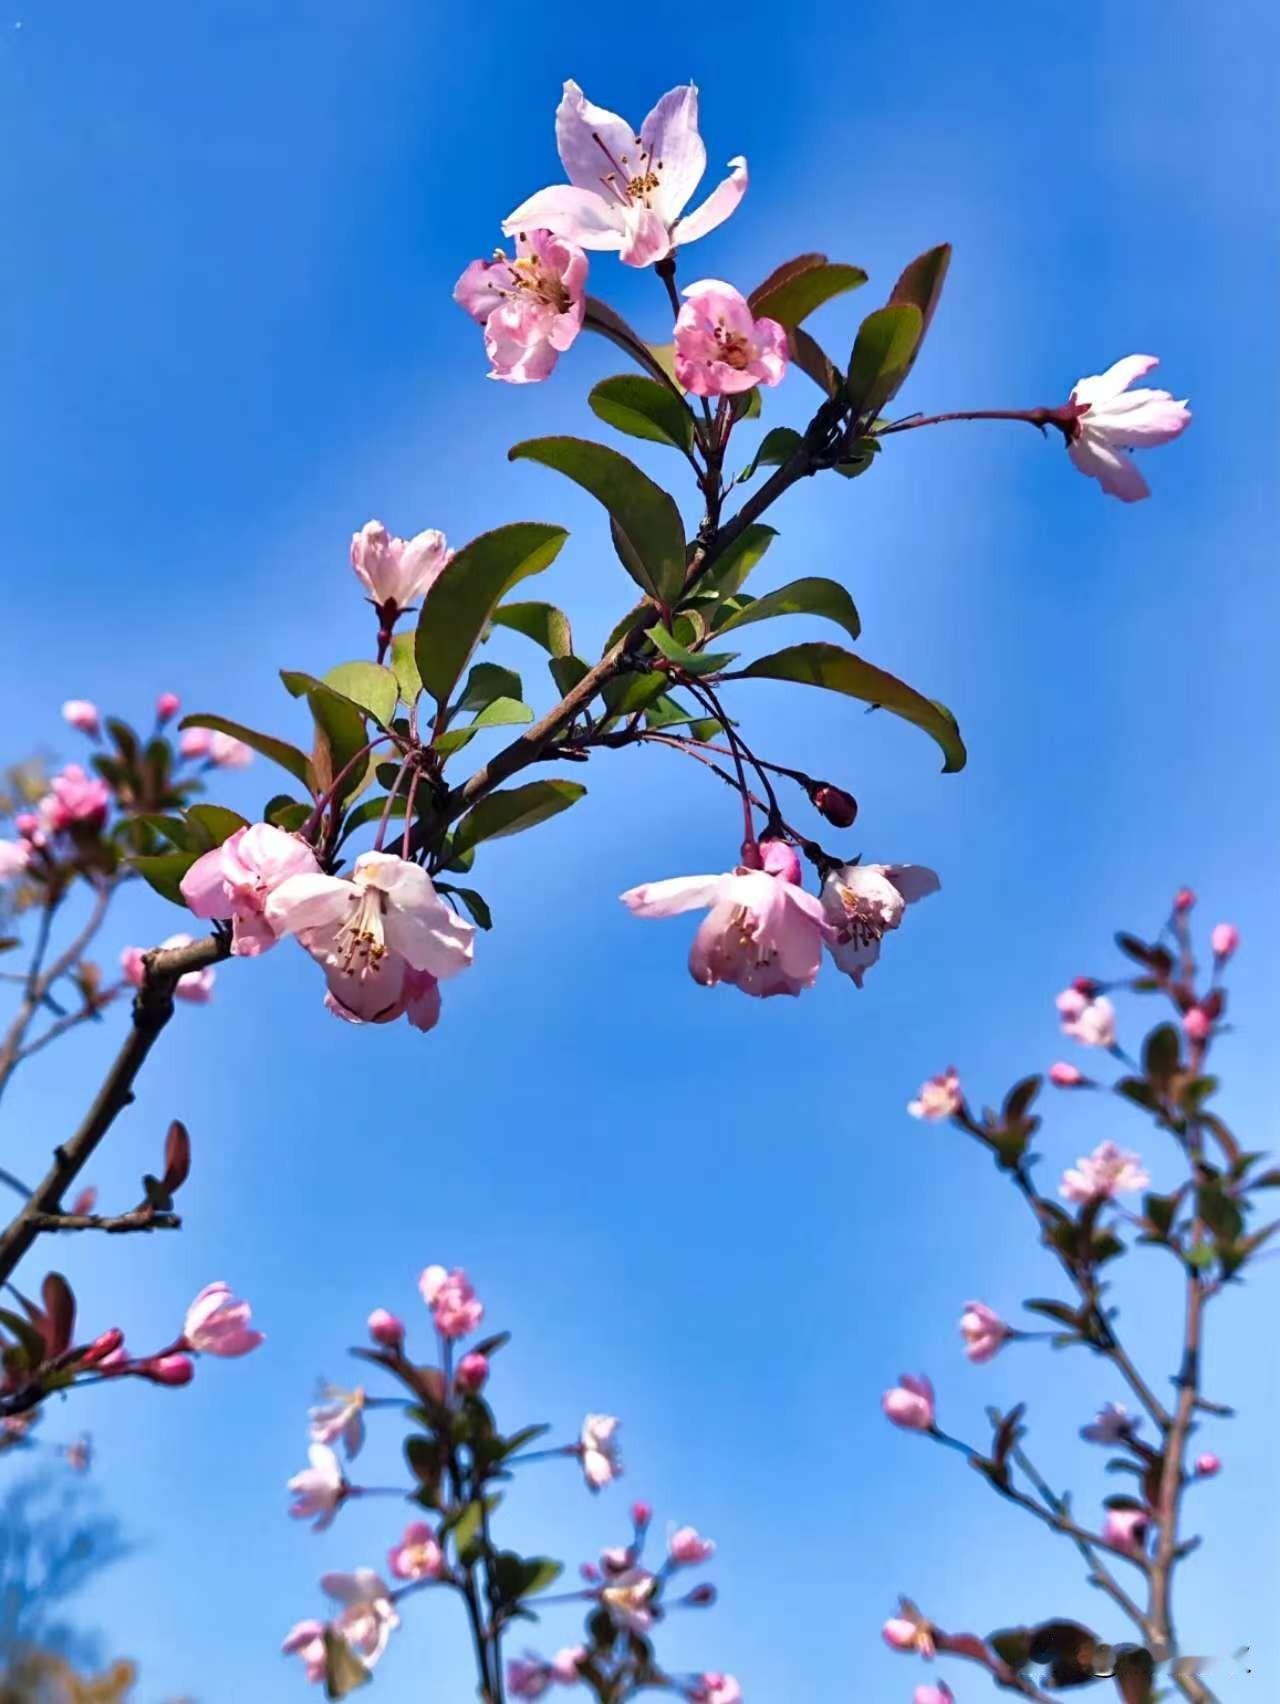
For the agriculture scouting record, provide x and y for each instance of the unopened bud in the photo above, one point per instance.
(1087, 986)
(167, 706)
(839, 808)
(1207, 1465)
(1183, 900)
(641, 1514)
(1197, 1025)
(1067, 1076)
(473, 1370)
(1224, 940)
(168, 1369)
(82, 715)
(386, 1329)
(102, 1346)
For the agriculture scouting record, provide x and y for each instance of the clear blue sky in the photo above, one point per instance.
(229, 340)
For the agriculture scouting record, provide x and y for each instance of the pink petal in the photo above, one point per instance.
(722, 201)
(204, 887)
(576, 214)
(1113, 469)
(309, 902)
(579, 123)
(1102, 387)
(676, 150)
(645, 237)
(671, 897)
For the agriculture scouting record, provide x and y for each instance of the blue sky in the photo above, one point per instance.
(235, 230)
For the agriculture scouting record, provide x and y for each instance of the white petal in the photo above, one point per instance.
(592, 141)
(310, 902)
(722, 201)
(913, 881)
(1113, 469)
(1103, 387)
(579, 215)
(671, 897)
(676, 151)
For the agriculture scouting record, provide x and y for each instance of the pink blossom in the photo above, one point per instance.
(319, 1489)
(626, 191)
(936, 1692)
(863, 902)
(452, 1299)
(339, 1415)
(195, 742)
(716, 1689)
(1197, 1025)
(941, 1097)
(368, 1617)
(106, 1345)
(531, 307)
(566, 1663)
(222, 750)
(386, 1329)
(627, 1598)
(166, 1369)
(236, 879)
(168, 705)
(370, 931)
(306, 1640)
(15, 855)
(910, 1403)
(80, 713)
(598, 1448)
(909, 1631)
(1127, 1528)
(1106, 1172)
(418, 1555)
(687, 1546)
(194, 985)
(85, 1201)
(1114, 419)
(398, 570)
(418, 1001)
(1183, 901)
(1090, 1020)
(721, 348)
(1067, 1076)
(75, 798)
(473, 1373)
(1114, 1425)
(1207, 1465)
(1224, 940)
(763, 933)
(641, 1514)
(217, 1323)
(984, 1332)
(527, 1677)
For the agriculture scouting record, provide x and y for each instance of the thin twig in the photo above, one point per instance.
(142, 1218)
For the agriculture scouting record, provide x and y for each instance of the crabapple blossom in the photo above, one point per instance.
(75, 798)
(81, 714)
(193, 985)
(1106, 1172)
(319, 1489)
(531, 307)
(227, 752)
(763, 932)
(565, 1664)
(1197, 1025)
(598, 1448)
(397, 570)
(716, 1689)
(386, 1329)
(1091, 1021)
(1067, 1076)
(167, 706)
(15, 855)
(418, 1001)
(1207, 1465)
(473, 1372)
(628, 192)
(1112, 419)
(339, 1415)
(418, 1555)
(1113, 1425)
(721, 348)
(933, 1692)
(195, 742)
(984, 1332)
(306, 1640)
(687, 1546)
(1224, 940)
(940, 1097)
(627, 1598)
(369, 931)
(166, 1369)
(454, 1305)
(863, 902)
(910, 1403)
(236, 879)
(1127, 1528)
(908, 1631)
(217, 1323)
(368, 1617)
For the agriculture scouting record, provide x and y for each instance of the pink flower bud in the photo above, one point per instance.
(781, 860)
(565, 1664)
(167, 706)
(1224, 940)
(590, 1573)
(910, 1403)
(1127, 1529)
(85, 1201)
(102, 1346)
(984, 1332)
(168, 1369)
(838, 807)
(217, 1323)
(933, 1693)
(1066, 1076)
(1197, 1025)
(1207, 1465)
(386, 1329)
(473, 1370)
(641, 1514)
(899, 1634)
(1183, 900)
(83, 715)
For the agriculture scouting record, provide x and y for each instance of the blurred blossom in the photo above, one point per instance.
(984, 1332)
(598, 1448)
(194, 985)
(319, 1489)
(1224, 940)
(1207, 1465)
(527, 1677)
(1128, 1528)
(941, 1097)
(627, 1598)
(716, 1689)
(1113, 1425)
(339, 1415)
(195, 742)
(167, 706)
(1197, 1025)
(306, 1640)
(368, 1617)
(454, 1305)
(473, 1372)
(386, 1329)
(15, 855)
(75, 798)
(81, 714)
(418, 1555)
(566, 1662)
(1090, 1021)
(687, 1546)
(1106, 1172)
(227, 752)
(1067, 1076)
(910, 1404)
(217, 1323)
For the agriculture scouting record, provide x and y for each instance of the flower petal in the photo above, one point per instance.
(671, 897)
(722, 201)
(577, 214)
(1115, 472)
(204, 887)
(676, 151)
(1103, 387)
(913, 881)
(645, 237)
(593, 141)
(310, 902)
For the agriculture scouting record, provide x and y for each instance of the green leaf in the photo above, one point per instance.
(30, 1339)
(279, 751)
(567, 672)
(216, 822)
(486, 682)
(477, 906)
(1012, 1645)
(461, 603)
(810, 596)
(730, 569)
(838, 670)
(513, 809)
(539, 1573)
(542, 622)
(882, 355)
(921, 284)
(343, 1670)
(467, 1527)
(692, 662)
(776, 447)
(645, 515)
(404, 666)
(1059, 1311)
(164, 872)
(1161, 1054)
(813, 360)
(340, 730)
(798, 287)
(643, 408)
(499, 713)
(369, 685)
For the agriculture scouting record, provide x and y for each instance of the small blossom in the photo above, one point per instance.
(15, 855)
(452, 1299)
(1224, 940)
(1067, 1076)
(941, 1097)
(641, 1514)
(217, 1323)
(687, 1546)
(527, 1677)
(227, 752)
(235, 880)
(598, 1448)
(386, 1329)
(1106, 1172)
(935, 1692)
(1113, 419)
(910, 1403)
(1091, 1021)
(168, 705)
(75, 798)
(473, 1373)
(1127, 1528)
(194, 985)
(909, 1631)
(1183, 901)
(863, 902)
(716, 1689)
(195, 742)
(306, 1640)
(984, 1332)
(81, 714)
(394, 570)
(339, 1415)
(531, 307)
(418, 1555)
(1114, 1425)
(1207, 1465)
(627, 190)
(319, 1489)
(627, 1598)
(567, 1662)
(616, 1560)
(368, 1617)
(1197, 1025)
(166, 1369)
(721, 349)
(79, 1454)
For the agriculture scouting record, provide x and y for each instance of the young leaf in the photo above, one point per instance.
(542, 622)
(486, 682)
(644, 514)
(340, 730)
(921, 284)
(279, 751)
(368, 685)
(692, 662)
(498, 713)
(461, 603)
(882, 355)
(838, 670)
(643, 408)
(777, 446)
(811, 596)
(164, 872)
(798, 287)
(513, 809)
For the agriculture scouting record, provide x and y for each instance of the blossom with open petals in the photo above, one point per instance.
(1089, 1019)
(687, 1545)
(910, 1403)
(528, 1676)
(319, 1489)
(418, 1555)
(305, 1639)
(863, 902)
(81, 714)
(598, 1448)
(193, 985)
(1113, 419)
(370, 931)
(763, 932)
(933, 1692)
(627, 1598)
(217, 1323)
(451, 1296)
(236, 879)
(368, 1617)
(941, 1097)
(418, 1001)
(1109, 1170)
(984, 1332)
(629, 192)
(908, 1630)
(398, 570)
(721, 348)
(75, 800)
(531, 307)
(715, 1688)
(339, 1415)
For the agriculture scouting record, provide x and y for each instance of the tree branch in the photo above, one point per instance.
(40, 981)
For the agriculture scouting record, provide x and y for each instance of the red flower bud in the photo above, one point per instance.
(839, 808)
(641, 1514)
(168, 1369)
(102, 1346)
(472, 1372)
(1183, 900)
